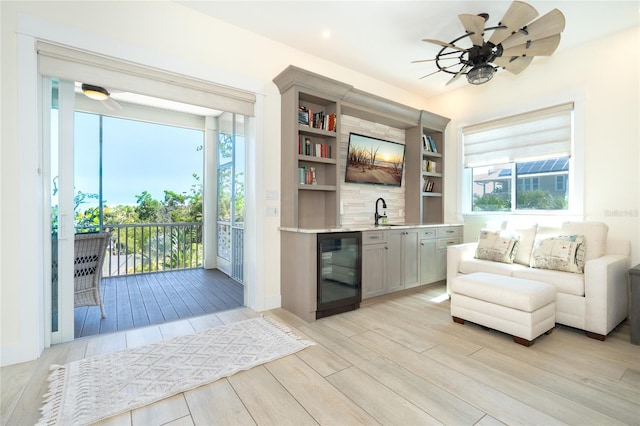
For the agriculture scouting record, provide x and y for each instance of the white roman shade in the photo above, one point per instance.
(75, 65)
(544, 133)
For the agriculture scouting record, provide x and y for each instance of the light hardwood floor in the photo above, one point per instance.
(401, 361)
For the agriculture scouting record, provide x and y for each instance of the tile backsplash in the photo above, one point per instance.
(358, 201)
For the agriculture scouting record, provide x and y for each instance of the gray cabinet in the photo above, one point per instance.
(409, 258)
(447, 235)
(429, 263)
(374, 263)
(394, 261)
(390, 261)
(433, 251)
(374, 270)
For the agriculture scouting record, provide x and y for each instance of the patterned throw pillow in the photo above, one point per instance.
(563, 253)
(493, 246)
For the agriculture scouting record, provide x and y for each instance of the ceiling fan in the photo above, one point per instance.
(512, 45)
(101, 94)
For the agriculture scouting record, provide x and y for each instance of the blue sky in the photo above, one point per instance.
(137, 157)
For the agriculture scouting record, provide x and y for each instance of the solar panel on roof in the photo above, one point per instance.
(543, 166)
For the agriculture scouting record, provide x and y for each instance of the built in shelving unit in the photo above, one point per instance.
(424, 193)
(310, 153)
(310, 181)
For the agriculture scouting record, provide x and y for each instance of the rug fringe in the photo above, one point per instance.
(52, 405)
(286, 330)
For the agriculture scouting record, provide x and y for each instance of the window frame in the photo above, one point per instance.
(576, 175)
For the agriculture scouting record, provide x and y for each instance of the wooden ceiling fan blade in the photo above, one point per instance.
(517, 16)
(515, 64)
(111, 104)
(458, 75)
(543, 47)
(550, 24)
(474, 25)
(444, 44)
(439, 69)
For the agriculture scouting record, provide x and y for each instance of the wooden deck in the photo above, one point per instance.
(138, 300)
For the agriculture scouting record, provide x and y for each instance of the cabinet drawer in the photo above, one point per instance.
(450, 231)
(444, 242)
(427, 234)
(374, 237)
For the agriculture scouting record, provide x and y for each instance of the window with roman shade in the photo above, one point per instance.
(545, 133)
(516, 162)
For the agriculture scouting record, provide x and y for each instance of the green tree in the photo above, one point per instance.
(492, 202)
(148, 208)
(540, 200)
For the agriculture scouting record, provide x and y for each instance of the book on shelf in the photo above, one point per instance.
(431, 144)
(428, 166)
(307, 147)
(318, 119)
(303, 115)
(425, 143)
(428, 185)
(307, 176)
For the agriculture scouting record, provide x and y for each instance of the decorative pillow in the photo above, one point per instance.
(493, 246)
(526, 236)
(563, 253)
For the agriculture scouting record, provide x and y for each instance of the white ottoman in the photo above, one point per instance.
(523, 308)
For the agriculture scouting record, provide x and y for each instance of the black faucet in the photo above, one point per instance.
(377, 215)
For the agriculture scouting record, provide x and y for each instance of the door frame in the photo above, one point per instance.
(28, 340)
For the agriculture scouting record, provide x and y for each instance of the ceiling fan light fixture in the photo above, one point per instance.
(480, 73)
(95, 92)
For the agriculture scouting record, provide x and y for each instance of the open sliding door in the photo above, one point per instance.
(58, 178)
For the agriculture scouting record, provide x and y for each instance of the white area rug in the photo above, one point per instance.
(96, 388)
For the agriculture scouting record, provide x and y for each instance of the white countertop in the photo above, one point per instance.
(364, 227)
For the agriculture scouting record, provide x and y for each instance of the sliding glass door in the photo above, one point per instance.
(58, 171)
(231, 194)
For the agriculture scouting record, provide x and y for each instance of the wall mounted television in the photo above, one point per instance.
(374, 161)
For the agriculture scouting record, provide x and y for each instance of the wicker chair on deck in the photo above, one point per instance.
(90, 251)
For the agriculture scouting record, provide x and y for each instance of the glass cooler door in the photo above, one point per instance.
(339, 273)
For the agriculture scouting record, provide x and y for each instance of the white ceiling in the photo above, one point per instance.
(381, 38)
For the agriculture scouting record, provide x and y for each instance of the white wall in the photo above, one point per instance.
(606, 74)
(164, 35)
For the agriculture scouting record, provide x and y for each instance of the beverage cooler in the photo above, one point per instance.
(339, 273)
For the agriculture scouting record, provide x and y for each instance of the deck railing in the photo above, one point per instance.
(153, 247)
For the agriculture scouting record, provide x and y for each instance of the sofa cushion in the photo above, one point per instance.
(595, 234)
(493, 246)
(526, 238)
(565, 282)
(469, 266)
(564, 253)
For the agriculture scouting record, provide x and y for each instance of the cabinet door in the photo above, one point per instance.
(442, 265)
(374, 270)
(429, 266)
(394, 261)
(410, 262)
